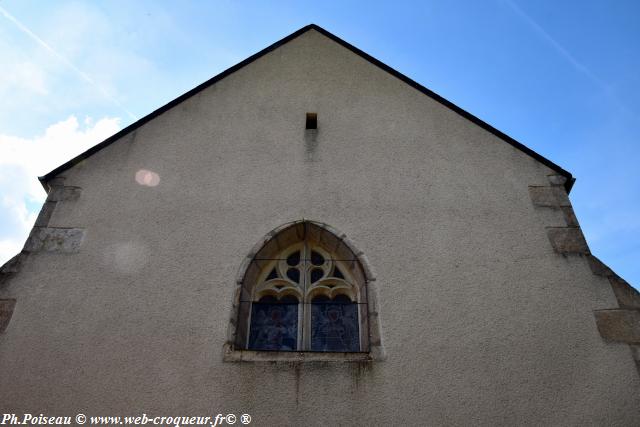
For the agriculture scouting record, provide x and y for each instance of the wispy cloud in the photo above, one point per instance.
(84, 76)
(567, 55)
(557, 46)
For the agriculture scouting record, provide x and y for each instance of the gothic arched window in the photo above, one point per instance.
(305, 290)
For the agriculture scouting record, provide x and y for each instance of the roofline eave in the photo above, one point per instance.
(569, 178)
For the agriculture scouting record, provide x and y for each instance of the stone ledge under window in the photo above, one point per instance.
(233, 355)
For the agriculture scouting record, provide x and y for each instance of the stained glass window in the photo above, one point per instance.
(272, 275)
(294, 274)
(304, 292)
(316, 274)
(316, 258)
(294, 259)
(334, 324)
(274, 324)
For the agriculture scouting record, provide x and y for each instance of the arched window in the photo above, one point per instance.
(305, 290)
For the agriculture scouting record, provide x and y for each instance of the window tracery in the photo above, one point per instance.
(304, 290)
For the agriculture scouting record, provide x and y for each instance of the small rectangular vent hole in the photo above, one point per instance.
(312, 121)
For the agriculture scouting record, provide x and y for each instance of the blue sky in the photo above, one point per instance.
(563, 78)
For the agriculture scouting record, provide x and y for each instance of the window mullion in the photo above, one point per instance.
(302, 323)
(306, 315)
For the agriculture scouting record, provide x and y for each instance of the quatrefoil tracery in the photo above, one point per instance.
(305, 272)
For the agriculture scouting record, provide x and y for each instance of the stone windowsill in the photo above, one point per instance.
(233, 355)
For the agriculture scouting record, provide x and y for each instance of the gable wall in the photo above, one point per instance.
(482, 321)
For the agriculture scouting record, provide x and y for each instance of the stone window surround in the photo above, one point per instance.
(305, 290)
(376, 350)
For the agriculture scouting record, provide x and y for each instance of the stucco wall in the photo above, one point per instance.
(482, 321)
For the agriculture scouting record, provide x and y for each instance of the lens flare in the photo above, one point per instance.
(147, 178)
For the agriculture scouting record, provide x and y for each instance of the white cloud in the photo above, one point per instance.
(23, 160)
(9, 248)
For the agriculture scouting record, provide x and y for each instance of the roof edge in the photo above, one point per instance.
(569, 178)
(137, 124)
(486, 126)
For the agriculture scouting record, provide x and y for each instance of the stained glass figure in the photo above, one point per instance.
(334, 324)
(274, 324)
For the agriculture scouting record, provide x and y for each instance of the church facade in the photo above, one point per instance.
(313, 238)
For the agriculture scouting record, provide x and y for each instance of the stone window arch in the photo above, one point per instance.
(304, 292)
